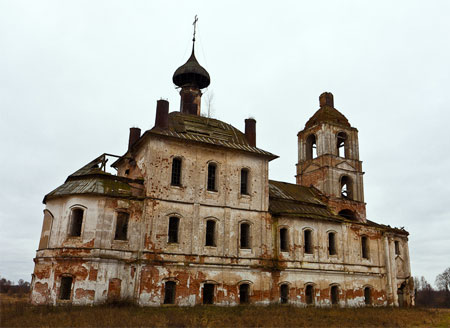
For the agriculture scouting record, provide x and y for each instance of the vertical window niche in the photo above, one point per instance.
(284, 240)
(332, 243)
(170, 292)
(174, 223)
(365, 247)
(284, 293)
(342, 145)
(245, 236)
(76, 222)
(367, 296)
(346, 187)
(334, 295)
(309, 294)
(397, 247)
(208, 294)
(122, 226)
(65, 290)
(311, 147)
(244, 293)
(244, 182)
(176, 172)
(212, 177)
(307, 237)
(210, 238)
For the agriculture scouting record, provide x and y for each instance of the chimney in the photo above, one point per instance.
(250, 131)
(326, 99)
(162, 114)
(135, 134)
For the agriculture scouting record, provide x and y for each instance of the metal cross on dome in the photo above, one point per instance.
(195, 26)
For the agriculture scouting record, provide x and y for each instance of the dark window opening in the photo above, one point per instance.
(397, 247)
(332, 243)
(311, 147)
(176, 172)
(284, 293)
(245, 235)
(342, 148)
(66, 288)
(346, 187)
(334, 295)
(173, 229)
(244, 182)
(348, 214)
(212, 177)
(244, 293)
(127, 171)
(76, 222)
(284, 245)
(208, 294)
(210, 233)
(309, 293)
(367, 296)
(365, 247)
(121, 226)
(169, 292)
(308, 241)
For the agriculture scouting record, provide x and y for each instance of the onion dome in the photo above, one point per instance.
(192, 74)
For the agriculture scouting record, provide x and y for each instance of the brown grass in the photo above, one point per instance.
(22, 314)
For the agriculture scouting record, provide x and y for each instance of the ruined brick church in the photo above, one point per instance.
(191, 217)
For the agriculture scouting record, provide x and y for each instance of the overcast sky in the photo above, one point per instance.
(76, 75)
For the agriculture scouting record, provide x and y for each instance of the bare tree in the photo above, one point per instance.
(443, 280)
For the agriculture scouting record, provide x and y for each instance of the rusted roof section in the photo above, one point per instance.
(327, 114)
(207, 130)
(291, 199)
(92, 179)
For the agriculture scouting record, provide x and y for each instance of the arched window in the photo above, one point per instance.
(346, 187)
(76, 222)
(284, 242)
(309, 293)
(284, 293)
(176, 172)
(65, 290)
(307, 238)
(244, 293)
(332, 243)
(348, 214)
(244, 181)
(365, 247)
(169, 292)
(210, 238)
(245, 235)
(211, 183)
(334, 294)
(342, 145)
(174, 223)
(208, 294)
(121, 226)
(311, 147)
(367, 295)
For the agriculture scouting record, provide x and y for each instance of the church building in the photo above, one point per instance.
(191, 217)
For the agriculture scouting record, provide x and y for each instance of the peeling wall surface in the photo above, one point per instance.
(369, 263)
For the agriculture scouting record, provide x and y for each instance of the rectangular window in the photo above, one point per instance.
(76, 222)
(397, 247)
(244, 293)
(364, 247)
(308, 241)
(284, 245)
(169, 292)
(309, 293)
(244, 182)
(284, 293)
(334, 295)
(65, 289)
(176, 172)
(210, 233)
(211, 177)
(173, 229)
(245, 235)
(121, 226)
(332, 243)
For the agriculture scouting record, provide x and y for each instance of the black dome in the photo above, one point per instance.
(191, 73)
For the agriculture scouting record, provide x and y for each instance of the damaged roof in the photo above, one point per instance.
(93, 179)
(327, 114)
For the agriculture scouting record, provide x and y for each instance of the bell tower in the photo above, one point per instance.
(328, 159)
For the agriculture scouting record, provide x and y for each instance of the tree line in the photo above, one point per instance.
(427, 296)
(8, 287)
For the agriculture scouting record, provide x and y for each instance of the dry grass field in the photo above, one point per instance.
(18, 313)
